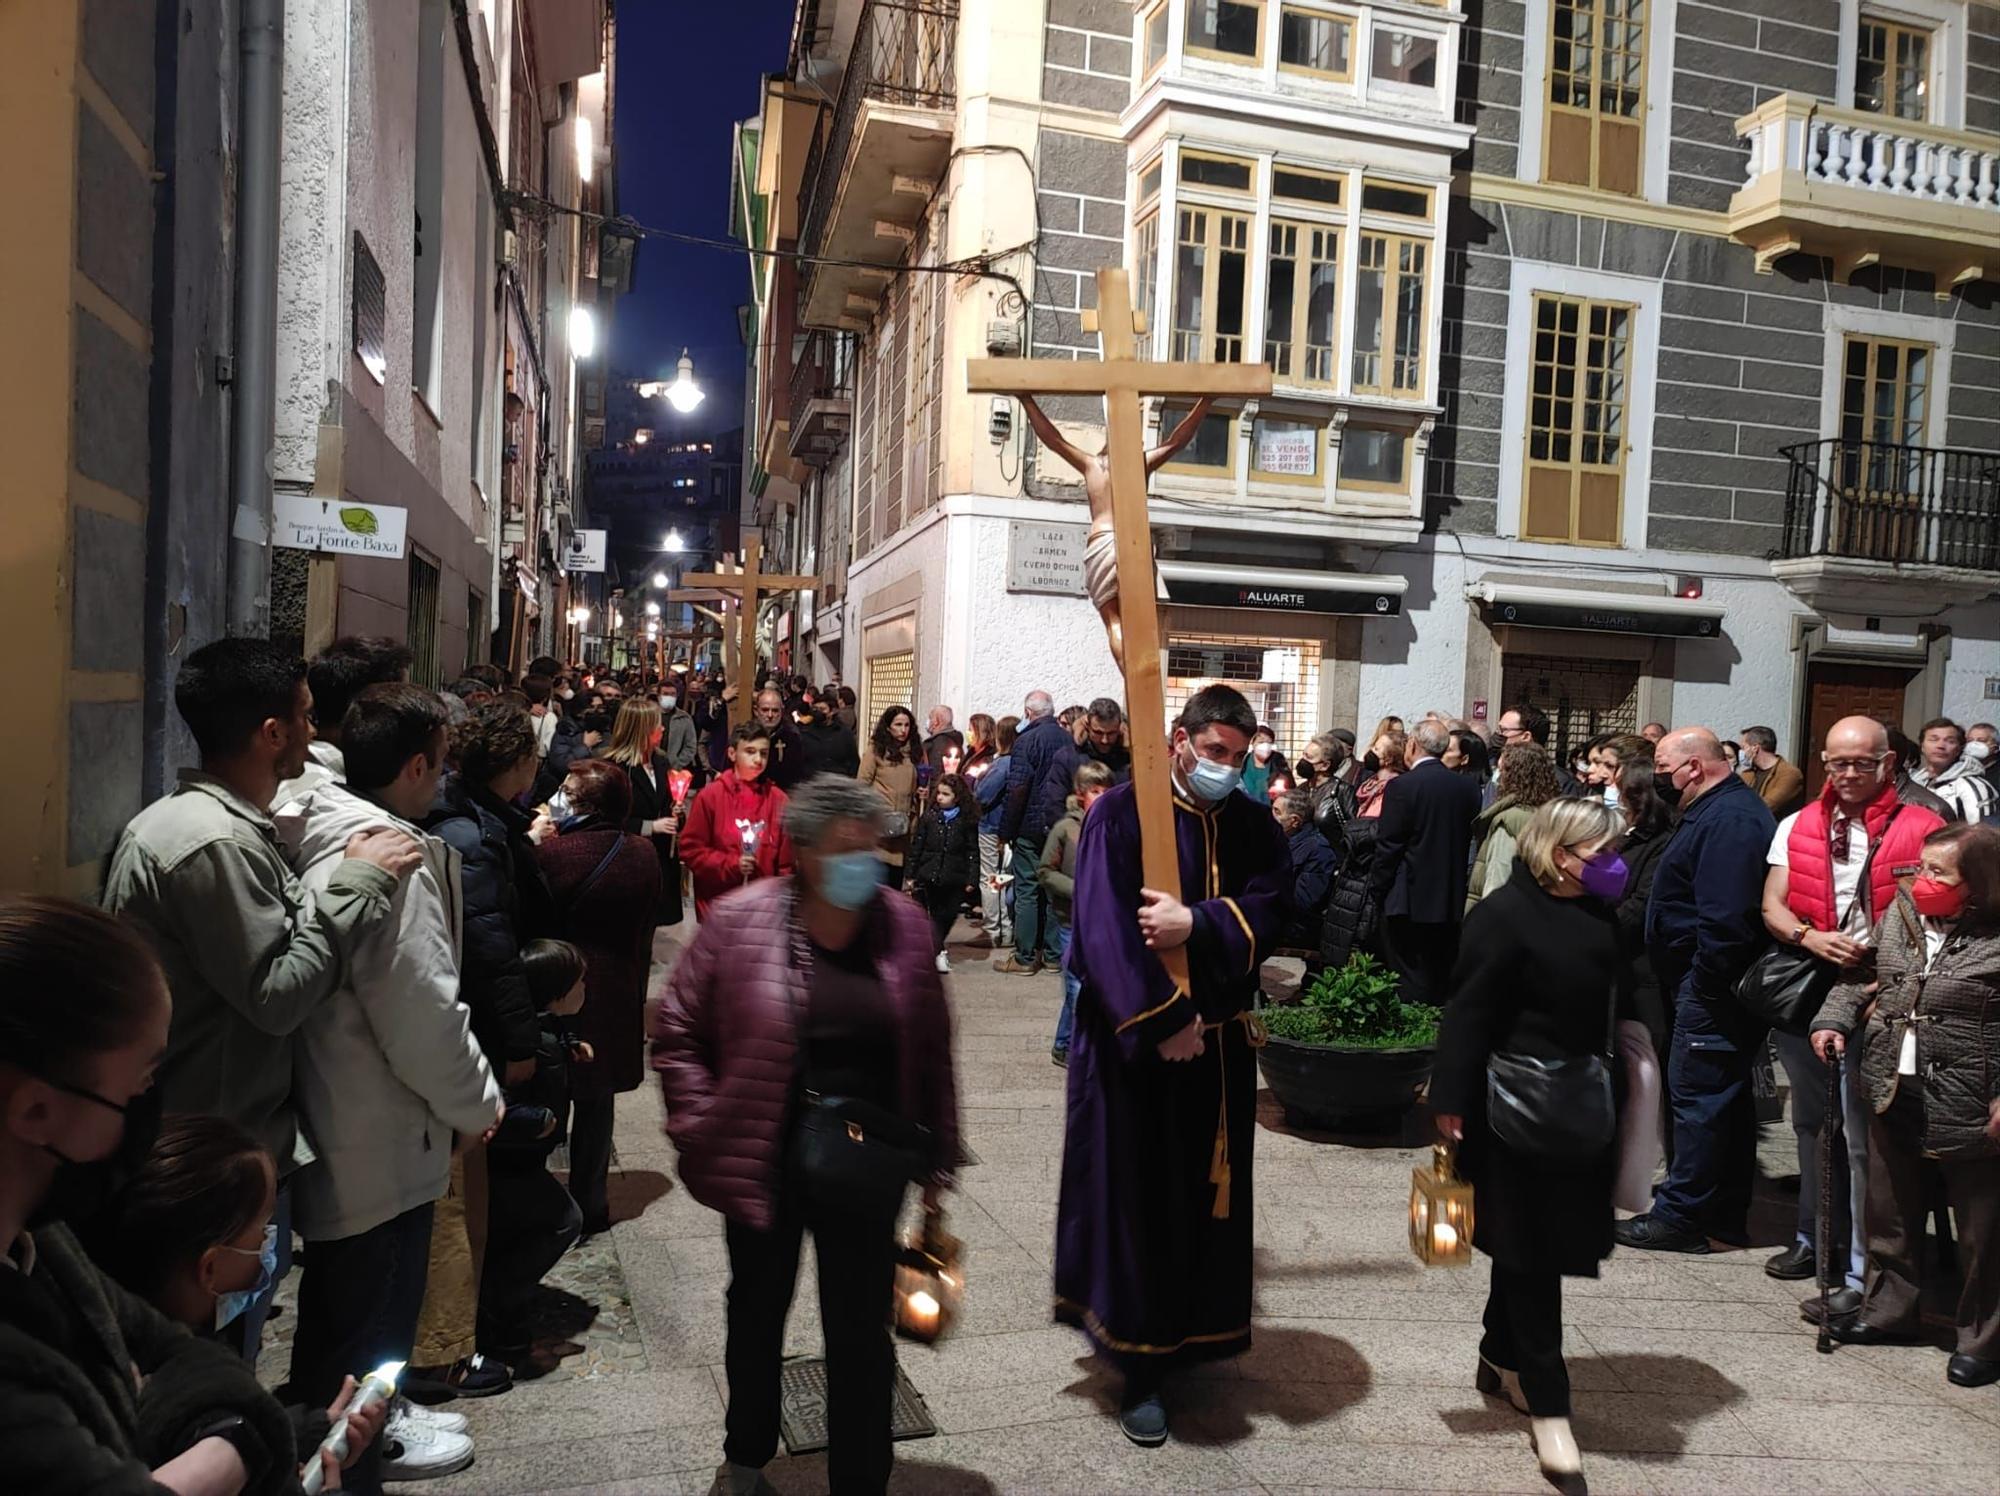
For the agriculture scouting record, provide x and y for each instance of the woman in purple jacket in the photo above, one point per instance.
(818, 985)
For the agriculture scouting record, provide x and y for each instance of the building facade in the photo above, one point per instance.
(1635, 357)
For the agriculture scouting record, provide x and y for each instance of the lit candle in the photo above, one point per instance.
(1444, 1236)
(923, 1313)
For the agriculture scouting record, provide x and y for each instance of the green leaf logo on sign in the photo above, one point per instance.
(358, 521)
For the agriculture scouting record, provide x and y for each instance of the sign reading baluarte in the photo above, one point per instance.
(306, 522)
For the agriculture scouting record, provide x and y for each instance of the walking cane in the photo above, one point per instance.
(1829, 1141)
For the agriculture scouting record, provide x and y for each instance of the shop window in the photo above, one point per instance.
(1597, 73)
(1301, 302)
(892, 681)
(1155, 40)
(1285, 450)
(1892, 69)
(1582, 697)
(1321, 45)
(1375, 457)
(1575, 490)
(1407, 59)
(1212, 453)
(1389, 319)
(1294, 184)
(1230, 29)
(1279, 677)
(1211, 275)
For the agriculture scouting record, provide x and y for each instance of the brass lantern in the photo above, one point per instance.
(1440, 1213)
(929, 1281)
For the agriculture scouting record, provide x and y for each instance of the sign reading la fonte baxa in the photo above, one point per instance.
(308, 522)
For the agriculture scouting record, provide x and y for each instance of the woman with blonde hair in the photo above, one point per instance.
(635, 748)
(1390, 751)
(1523, 1083)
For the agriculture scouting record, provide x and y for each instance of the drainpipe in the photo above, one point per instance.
(261, 65)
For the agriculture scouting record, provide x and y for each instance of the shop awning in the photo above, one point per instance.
(1267, 589)
(1598, 611)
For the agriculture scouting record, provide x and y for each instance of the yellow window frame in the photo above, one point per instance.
(1893, 34)
(1148, 63)
(1392, 350)
(1170, 416)
(1236, 59)
(1306, 70)
(1371, 485)
(1583, 143)
(1317, 477)
(1221, 158)
(1581, 338)
(1337, 179)
(1305, 246)
(1216, 232)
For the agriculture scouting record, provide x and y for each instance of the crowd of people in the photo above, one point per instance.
(363, 972)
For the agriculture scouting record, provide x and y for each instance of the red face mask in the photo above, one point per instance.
(1935, 900)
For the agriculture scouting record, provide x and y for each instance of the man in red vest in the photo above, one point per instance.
(1834, 867)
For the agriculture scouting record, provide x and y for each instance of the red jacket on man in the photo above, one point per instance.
(1809, 850)
(713, 840)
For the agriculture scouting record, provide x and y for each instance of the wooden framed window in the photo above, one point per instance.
(1285, 449)
(1149, 183)
(1212, 453)
(1892, 69)
(1396, 199)
(1881, 464)
(1302, 302)
(1146, 273)
(1885, 391)
(1154, 36)
(1389, 317)
(1296, 184)
(1405, 59)
(1319, 45)
(1597, 76)
(1211, 277)
(1222, 173)
(1232, 30)
(1375, 459)
(1577, 446)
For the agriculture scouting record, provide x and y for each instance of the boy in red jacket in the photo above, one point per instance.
(735, 828)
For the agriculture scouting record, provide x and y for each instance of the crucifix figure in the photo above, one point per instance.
(747, 586)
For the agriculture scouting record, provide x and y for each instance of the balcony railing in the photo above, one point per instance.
(822, 395)
(1864, 188)
(904, 56)
(1879, 501)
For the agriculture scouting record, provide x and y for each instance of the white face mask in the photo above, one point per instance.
(1263, 751)
(1746, 758)
(1977, 750)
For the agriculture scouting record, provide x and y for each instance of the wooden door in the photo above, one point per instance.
(1836, 691)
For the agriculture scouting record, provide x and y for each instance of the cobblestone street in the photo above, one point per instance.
(1692, 1374)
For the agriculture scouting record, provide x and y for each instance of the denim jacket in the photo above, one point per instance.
(248, 952)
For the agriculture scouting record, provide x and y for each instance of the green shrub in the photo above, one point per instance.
(1359, 1005)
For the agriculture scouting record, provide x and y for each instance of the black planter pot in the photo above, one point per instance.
(1326, 1087)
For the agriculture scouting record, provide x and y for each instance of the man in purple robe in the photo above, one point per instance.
(1153, 1232)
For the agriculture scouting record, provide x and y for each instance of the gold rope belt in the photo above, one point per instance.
(1256, 1036)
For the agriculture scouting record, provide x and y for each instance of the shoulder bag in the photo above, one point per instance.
(847, 1153)
(1786, 985)
(1563, 1111)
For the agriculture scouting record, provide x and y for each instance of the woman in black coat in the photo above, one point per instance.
(1538, 975)
(504, 897)
(635, 748)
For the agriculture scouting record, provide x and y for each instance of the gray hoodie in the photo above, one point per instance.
(387, 1069)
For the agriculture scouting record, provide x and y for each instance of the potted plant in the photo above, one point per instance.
(1351, 1046)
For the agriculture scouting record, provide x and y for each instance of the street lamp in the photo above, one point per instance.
(673, 544)
(684, 394)
(652, 610)
(582, 331)
(660, 579)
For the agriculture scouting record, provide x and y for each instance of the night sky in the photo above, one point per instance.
(688, 70)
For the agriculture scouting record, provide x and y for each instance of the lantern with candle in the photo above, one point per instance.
(1440, 1212)
(929, 1281)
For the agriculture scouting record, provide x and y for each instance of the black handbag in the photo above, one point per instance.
(1786, 985)
(847, 1153)
(1563, 1111)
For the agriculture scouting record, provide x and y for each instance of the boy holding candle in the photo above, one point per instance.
(735, 832)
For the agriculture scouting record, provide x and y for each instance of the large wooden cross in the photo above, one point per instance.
(1123, 379)
(747, 586)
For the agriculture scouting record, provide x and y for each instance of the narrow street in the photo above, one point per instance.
(1692, 1374)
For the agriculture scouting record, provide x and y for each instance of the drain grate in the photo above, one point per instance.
(802, 1407)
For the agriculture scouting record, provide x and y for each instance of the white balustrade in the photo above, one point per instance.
(1896, 157)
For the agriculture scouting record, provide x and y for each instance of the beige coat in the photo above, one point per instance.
(897, 785)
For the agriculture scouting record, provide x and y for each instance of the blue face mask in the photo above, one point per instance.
(232, 1306)
(1213, 782)
(848, 880)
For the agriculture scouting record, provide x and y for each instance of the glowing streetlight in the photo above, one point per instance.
(586, 148)
(684, 394)
(652, 610)
(582, 331)
(659, 579)
(673, 544)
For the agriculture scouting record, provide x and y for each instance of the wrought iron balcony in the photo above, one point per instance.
(822, 400)
(1862, 515)
(1865, 189)
(877, 155)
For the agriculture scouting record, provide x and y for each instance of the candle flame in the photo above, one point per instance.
(1444, 1234)
(923, 1304)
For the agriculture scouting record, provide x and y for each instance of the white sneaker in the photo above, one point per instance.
(402, 1409)
(418, 1451)
(943, 962)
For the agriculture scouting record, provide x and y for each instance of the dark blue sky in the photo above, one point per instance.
(688, 70)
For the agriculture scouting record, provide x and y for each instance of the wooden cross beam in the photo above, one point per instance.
(747, 586)
(1123, 379)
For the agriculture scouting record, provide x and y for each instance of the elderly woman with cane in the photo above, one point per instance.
(1927, 1032)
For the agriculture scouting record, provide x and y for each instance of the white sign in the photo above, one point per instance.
(306, 522)
(1045, 558)
(1287, 450)
(586, 551)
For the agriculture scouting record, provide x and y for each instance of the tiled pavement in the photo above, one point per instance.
(1692, 1374)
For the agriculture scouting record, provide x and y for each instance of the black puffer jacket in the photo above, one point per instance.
(943, 854)
(1352, 911)
(1641, 852)
(492, 981)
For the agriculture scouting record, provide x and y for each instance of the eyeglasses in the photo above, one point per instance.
(1853, 765)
